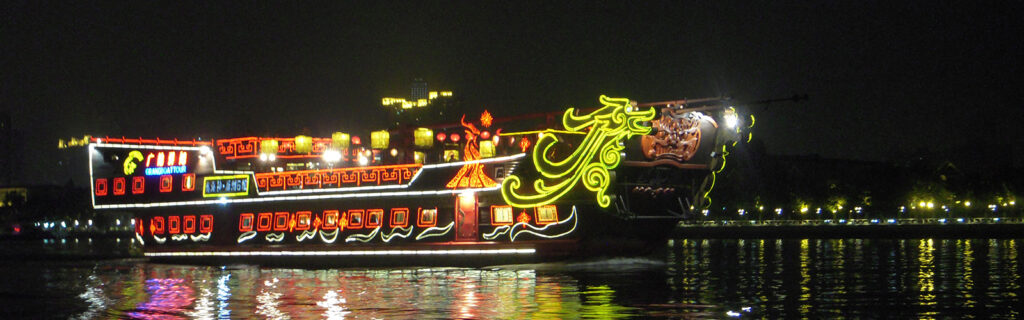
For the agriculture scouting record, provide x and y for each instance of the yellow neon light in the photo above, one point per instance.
(129, 163)
(590, 163)
(521, 133)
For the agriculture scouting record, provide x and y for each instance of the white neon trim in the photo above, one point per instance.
(427, 234)
(343, 253)
(138, 236)
(394, 233)
(499, 231)
(246, 236)
(303, 197)
(535, 229)
(179, 237)
(462, 163)
(160, 240)
(363, 237)
(201, 237)
(275, 237)
(305, 235)
(333, 235)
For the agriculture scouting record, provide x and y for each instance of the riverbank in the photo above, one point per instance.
(859, 228)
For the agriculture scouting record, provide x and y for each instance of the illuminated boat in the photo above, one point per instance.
(607, 180)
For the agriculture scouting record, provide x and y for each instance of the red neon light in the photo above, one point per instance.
(263, 221)
(245, 222)
(119, 186)
(355, 219)
(138, 226)
(189, 224)
(337, 178)
(486, 119)
(281, 221)
(470, 175)
(441, 136)
(399, 217)
(166, 182)
(188, 182)
(156, 141)
(523, 217)
(206, 223)
(174, 224)
(356, 140)
(455, 137)
(156, 225)
(330, 220)
(374, 217)
(524, 144)
(101, 187)
(149, 159)
(302, 220)
(138, 185)
(426, 218)
(485, 134)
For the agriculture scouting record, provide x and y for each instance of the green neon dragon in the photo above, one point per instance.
(590, 163)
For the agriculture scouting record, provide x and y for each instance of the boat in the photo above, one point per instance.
(607, 180)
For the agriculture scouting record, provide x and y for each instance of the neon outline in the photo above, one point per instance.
(188, 182)
(241, 219)
(405, 222)
(364, 238)
(342, 253)
(229, 194)
(170, 183)
(246, 236)
(590, 163)
(510, 230)
(419, 219)
(426, 233)
(140, 182)
(275, 237)
(206, 217)
(394, 233)
(494, 221)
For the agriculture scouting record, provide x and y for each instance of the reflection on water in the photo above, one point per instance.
(770, 278)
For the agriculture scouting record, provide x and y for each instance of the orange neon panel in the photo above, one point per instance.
(149, 160)
(183, 158)
(399, 217)
(101, 187)
(330, 220)
(171, 158)
(156, 225)
(119, 186)
(302, 219)
(281, 221)
(138, 185)
(373, 217)
(206, 223)
(501, 215)
(245, 221)
(355, 219)
(426, 218)
(263, 221)
(166, 182)
(159, 159)
(188, 182)
(174, 224)
(189, 225)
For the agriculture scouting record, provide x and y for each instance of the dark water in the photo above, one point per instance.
(813, 279)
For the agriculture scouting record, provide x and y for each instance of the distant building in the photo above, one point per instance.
(418, 89)
(422, 107)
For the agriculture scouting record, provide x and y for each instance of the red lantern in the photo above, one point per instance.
(455, 137)
(356, 140)
(441, 136)
(485, 135)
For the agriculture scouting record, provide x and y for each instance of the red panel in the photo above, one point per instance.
(119, 186)
(245, 222)
(166, 182)
(156, 225)
(189, 224)
(302, 220)
(355, 219)
(206, 223)
(138, 226)
(373, 217)
(188, 182)
(466, 213)
(330, 220)
(281, 221)
(263, 221)
(138, 185)
(101, 187)
(174, 224)
(426, 220)
(399, 217)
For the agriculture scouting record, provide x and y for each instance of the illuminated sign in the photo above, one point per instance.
(589, 163)
(226, 186)
(129, 162)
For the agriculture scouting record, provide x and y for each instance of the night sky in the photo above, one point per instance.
(885, 80)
